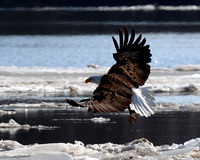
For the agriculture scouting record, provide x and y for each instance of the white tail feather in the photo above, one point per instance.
(142, 102)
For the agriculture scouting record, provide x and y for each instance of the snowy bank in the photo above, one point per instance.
(140, 149)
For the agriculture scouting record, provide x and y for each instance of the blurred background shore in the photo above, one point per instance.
(97, 17)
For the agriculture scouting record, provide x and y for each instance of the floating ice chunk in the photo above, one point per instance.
(187, 88)
(188, 68)
(193, 107)
(12, 124)
(8, 112)
(100, 120)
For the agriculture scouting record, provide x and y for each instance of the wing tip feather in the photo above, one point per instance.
(142, 102)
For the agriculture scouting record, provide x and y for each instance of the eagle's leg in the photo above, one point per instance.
(132, 117)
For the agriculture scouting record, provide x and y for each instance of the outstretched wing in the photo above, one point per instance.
(131, 70)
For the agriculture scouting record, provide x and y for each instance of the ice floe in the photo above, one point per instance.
(8, 112)
(100, 120)
(140, 149)
(39, 87)
(194, 107)
(62, 82)
(188, 68)
(12, 124)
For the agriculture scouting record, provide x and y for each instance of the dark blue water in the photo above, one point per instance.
(162, 128)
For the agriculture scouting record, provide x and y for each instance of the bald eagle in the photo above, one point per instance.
(119, 88)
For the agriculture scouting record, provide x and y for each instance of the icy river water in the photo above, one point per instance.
(69, 125)
(36, 96)
(48, 69)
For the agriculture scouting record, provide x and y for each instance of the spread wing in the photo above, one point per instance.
(130, 71)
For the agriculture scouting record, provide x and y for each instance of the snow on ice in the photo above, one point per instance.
(140, 149)
(20, 82)
(55, 82)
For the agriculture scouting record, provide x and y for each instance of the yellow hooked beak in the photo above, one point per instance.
(87, 80)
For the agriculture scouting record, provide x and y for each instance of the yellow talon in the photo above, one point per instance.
(132, 117)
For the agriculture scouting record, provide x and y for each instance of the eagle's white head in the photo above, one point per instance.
(94, 79)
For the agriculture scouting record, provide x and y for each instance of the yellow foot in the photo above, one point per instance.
(132, 117)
